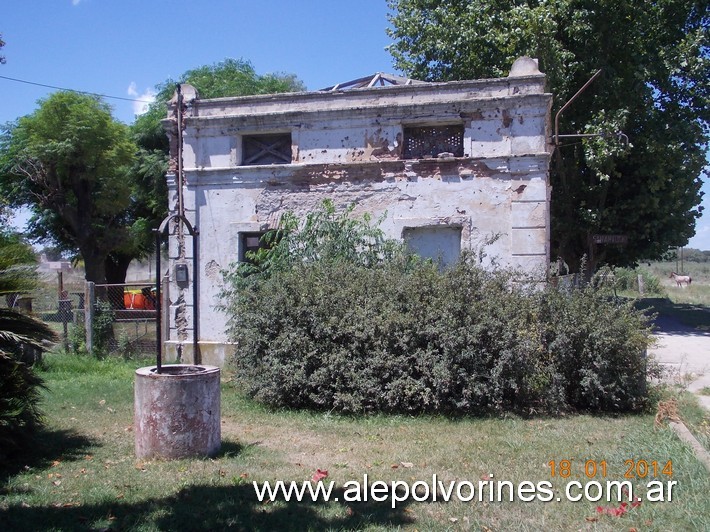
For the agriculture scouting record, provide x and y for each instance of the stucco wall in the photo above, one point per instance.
(347, 146)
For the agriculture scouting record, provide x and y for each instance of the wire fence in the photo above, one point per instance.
(115, 319)
(123, 318)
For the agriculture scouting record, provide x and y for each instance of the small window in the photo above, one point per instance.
(266, 149)
(430, 141)
(251, 242)
(441, 243)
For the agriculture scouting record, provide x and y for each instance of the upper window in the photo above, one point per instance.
(266, 149)
(431, 141)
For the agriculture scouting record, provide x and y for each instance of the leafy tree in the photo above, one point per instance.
(91, 189)
(149, 204)
(17, 264)
(69, 161)
(654, 86)
(231, 77)
(2, 57)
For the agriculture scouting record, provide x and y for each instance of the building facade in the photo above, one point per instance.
(449, 166)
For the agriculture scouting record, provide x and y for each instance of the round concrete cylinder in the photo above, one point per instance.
(177, 411)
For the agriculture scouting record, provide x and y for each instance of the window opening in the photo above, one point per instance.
(251, 242)
(429, 141)
(266, 149)
(440, 243)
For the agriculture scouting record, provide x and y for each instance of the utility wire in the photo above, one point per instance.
(74, 90)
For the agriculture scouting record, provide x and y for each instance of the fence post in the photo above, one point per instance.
(89, 306)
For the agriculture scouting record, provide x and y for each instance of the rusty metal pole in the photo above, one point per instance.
(196, 355)
(569, 102)
(158, 305)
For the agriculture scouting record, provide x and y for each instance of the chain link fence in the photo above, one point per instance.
(123, 320)
(116, 319)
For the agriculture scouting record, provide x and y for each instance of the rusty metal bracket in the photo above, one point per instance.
(569, 102)
(623, 138)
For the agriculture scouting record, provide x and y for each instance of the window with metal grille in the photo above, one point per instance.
(429, 141)
(266, 149)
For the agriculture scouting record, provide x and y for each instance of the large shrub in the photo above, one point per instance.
(627, 279)
(396, 334)
(22, 338)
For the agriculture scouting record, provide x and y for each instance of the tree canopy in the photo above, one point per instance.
(654, 86)
(69, 162)
(231, 77)
(94, 185)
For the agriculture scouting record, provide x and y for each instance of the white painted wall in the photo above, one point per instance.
(346, 147)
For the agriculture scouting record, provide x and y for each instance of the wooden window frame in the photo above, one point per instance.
(265, 149)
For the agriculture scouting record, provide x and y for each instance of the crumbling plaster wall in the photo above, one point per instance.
(348, 147)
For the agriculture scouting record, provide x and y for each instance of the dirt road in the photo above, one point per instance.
(686, 351)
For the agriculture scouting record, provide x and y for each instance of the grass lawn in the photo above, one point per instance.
(82, 473)
(690, 305)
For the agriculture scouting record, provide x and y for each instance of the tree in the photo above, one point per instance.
(69, 161)
(17, 265)
(149, 204)
(654, 87)
(2, 57)
(20, 335)
(231, 77)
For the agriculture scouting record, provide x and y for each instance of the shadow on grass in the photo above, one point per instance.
(45, 447)
(229, 448)
(210, 508)
(677, 318)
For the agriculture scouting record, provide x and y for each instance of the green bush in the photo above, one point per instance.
(597, 346)
(331, 335)
(333, 316)
(102, 328)
(626, 279)
(21, 340)
(19, 402)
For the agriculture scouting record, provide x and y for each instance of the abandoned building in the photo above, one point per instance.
(450, 166)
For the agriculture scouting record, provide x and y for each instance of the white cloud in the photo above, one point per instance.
(75, 2)
(142, 102)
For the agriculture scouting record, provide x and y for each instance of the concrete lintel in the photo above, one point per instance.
(248, 119)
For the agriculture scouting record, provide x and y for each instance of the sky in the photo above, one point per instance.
(124, 48)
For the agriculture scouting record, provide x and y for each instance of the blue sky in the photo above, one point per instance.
(123, 48)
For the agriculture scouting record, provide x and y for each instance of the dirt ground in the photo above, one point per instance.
(686, 352)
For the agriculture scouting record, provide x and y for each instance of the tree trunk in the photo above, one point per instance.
(117, 266)
(94, 265)
(116, 269)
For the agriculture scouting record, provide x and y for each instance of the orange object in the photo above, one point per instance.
(136, 300)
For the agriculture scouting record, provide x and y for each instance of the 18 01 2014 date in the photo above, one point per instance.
(633, 468)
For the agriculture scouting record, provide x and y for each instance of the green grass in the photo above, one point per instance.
(82, 473)
(690, 305)
(695, 417)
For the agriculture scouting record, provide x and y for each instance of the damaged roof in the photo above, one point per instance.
(378, 79)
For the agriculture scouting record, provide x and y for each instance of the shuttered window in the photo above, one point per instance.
(266, 149)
